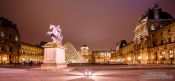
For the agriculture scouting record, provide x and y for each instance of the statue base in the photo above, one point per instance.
(53, 66)
(54, 56)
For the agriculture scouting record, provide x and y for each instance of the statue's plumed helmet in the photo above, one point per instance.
(54, 26)
(51, 26)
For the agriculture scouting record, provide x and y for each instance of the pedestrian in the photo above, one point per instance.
(171, 62)
(30, 63)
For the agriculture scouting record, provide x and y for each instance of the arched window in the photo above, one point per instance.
(2, 48)
(2, 34)
(171, 51)
(11, 49)
(10, 36)
(152, 27)
(161, 25)
(163, 55)
(16, 38)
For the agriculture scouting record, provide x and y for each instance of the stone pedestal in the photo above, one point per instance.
(54, 56)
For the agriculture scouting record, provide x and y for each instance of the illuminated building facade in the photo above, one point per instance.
(30, 52)
(85, 52)
(153, 41)
(9, 41)
(125, 53)
(103, 56)
(12, 50)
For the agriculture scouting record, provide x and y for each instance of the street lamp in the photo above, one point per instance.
(153, 60)
(4, 59)
(123, 60)
(160, 59)
(139, 57)
(129, 59)
(147, 60)
(160, 56)
(87, 73)
(23, 60)
(119, 60)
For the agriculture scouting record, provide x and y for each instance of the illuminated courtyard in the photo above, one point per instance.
(87, 40)
(90, 73)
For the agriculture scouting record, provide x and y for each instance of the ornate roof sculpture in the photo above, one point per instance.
(156, 11)
(7, 23)
(153, 19)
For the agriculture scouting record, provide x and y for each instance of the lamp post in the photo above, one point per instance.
(4, 59)
(119, 61)
(152, 60)
(171, 56)
(123, 60)
(129, 59)
(147, 60)
(160, 59)
(139, 57)
(23, 59)
(87, 73)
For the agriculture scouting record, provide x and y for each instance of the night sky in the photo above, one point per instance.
(98, 23)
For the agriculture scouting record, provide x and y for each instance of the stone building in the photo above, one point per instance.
(163, 47)
(153, 40)
(12, 50)
(30, 52)
(85, 52)
(9, 41)
(103, 56)
(125, 53)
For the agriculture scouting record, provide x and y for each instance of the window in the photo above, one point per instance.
(2, 48)
(152, 27)
(16, 38)
(171, 54)
(10, 36)
(10, 49)
(145, 29)
(2, 34)
(154, 44)
(163, 55)
(155, 56)
(169, 40)
(169, 30)
(161, 25)
(162, 42)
